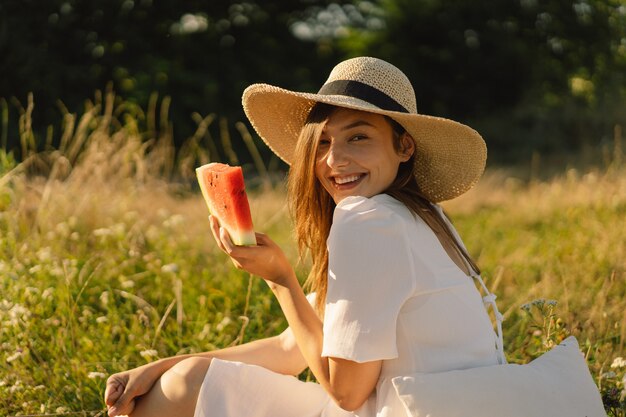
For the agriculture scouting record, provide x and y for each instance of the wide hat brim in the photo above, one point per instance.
(450, 156)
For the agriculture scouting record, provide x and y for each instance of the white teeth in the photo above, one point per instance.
(345, 180)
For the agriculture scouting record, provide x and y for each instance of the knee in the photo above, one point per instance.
(183, 381)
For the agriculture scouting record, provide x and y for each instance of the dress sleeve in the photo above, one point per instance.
(370, 275)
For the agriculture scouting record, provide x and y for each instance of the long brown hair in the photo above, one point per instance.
(312, 207)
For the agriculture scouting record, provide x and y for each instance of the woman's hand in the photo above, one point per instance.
(266, 259)
(122, 389)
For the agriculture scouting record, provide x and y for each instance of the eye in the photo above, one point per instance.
(357, 138)
(322, 146)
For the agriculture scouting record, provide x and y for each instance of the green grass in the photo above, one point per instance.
(107, 263)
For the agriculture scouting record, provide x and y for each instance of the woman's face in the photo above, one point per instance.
(356, 155)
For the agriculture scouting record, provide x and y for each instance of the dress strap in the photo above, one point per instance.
(490, 301)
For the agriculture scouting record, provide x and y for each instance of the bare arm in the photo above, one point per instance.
(349, 383)
(279, 354)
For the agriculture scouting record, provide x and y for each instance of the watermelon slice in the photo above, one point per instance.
(224, 191)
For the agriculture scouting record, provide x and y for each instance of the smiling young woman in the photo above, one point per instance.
(389, 291)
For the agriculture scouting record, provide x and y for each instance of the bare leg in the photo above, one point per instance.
(176, 392)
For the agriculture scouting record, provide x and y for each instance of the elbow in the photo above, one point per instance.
(290, 353)
(349, 401)
(351, 383)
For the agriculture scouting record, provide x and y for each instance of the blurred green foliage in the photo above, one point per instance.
(531, 76)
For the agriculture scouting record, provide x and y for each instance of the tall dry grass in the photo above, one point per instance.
(560, 238)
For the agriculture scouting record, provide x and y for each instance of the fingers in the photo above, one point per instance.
(221, 236)
(123, 407)
(229, 246)
(262, 239)
(223, 240)
(239, 255)
(215, 229)
(119, 396)
(112, 392)
(119, 403)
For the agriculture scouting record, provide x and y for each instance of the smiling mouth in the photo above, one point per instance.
(348, 179)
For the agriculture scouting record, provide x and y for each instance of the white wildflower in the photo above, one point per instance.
(608, 375)
(31, 290)
(618, 362)
(15, 356)
(16, 313)
(61, 410)
(104, 298)
(118, 229)
(102, 319)
(225, 322)
(17, 386)
(33, 270)
(75, 236)
(170, 268)
(174, 221)
(63, 229)
(44, 254)
(102, 232)
(96, 375)
(206, 331)
(153, 232)
(53, 321)
(57, 271)
(149, 353)
(127, 284)
(47, 293)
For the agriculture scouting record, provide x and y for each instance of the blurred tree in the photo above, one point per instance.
(528, 74)
(537, 74)
(201, 53)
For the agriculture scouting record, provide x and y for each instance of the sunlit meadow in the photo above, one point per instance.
(107, 262)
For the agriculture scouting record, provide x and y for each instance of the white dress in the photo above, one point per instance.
(393, 295)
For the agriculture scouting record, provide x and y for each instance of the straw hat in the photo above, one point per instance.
(450, 157)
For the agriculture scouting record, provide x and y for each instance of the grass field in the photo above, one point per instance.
(105, 264)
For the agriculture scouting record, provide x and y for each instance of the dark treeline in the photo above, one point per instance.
(544, 76)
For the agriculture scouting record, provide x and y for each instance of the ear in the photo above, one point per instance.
(407, 147)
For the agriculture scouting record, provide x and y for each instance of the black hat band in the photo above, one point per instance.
(363, 92)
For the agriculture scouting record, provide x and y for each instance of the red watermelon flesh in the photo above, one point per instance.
(224, 191)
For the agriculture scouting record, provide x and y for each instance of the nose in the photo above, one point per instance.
(336, 156)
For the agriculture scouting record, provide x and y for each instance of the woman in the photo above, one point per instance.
(391, 293)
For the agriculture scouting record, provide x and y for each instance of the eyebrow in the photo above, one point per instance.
(357, 124)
